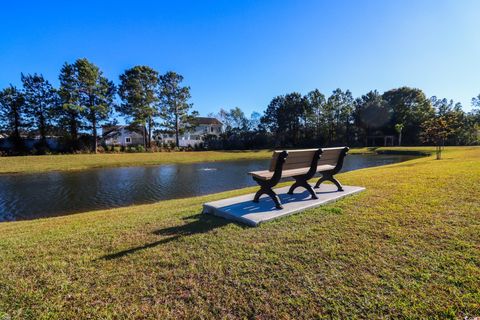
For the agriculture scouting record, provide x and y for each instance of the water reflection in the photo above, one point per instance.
(33, 196)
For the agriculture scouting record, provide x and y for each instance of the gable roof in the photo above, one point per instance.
(207, 120)
(112, 130)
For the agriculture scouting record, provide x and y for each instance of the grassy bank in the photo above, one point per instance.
(31, 164)
(407, 247)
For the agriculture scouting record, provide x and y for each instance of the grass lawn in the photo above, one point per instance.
(30, 164)
(407, 247)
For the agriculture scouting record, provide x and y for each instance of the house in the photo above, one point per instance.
(30, 141)
(202, 126)
(121, 135)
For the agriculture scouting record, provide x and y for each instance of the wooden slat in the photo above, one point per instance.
(330, 156)
(332, 162)
(335, 148)
(302, 159)
(296, 159)
(266, 174)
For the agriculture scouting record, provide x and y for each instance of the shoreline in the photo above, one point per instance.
(60, 163)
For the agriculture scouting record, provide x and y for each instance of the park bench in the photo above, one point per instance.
(300, 165)
(330, 164)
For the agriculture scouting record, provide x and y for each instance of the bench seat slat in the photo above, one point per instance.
(296, 159)
(266, 174)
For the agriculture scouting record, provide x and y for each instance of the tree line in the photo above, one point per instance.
(86, 99)
(296, 120)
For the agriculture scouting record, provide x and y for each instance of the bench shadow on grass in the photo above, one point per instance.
(201, 223)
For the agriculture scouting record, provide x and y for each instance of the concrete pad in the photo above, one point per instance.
(244, 210)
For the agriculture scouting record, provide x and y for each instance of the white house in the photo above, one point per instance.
(202, 127)
(122, 136)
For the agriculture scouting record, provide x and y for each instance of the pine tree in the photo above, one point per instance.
(138, 91)
(96, 95)
(41, 101)
(174, 104)
(12, 114)
(70, 107)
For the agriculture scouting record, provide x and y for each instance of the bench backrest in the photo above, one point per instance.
(296, 159)
(330, 156)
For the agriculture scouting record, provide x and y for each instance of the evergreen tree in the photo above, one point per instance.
(340, 116)
(371, 113)
(12, 114)
(41, 101)
(174, 105)
(138, 91)
(96, 94)
(284, 116)
(410, 108)
(70, 106)
(317, 102)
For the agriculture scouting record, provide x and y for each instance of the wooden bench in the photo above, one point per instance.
(298, 164)
(330, 164)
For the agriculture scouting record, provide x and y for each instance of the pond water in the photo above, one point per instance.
(31, 196)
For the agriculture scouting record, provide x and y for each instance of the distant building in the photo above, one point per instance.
(202, 127)
(122, 136)
(30, 141)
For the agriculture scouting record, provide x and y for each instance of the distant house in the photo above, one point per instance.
(202, 127)
(122, 136)
(30, 141)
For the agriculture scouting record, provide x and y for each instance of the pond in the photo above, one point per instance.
(31, 196)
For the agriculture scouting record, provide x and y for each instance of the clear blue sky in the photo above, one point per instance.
(243, 53)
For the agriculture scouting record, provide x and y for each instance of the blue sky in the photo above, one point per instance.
(243, 53)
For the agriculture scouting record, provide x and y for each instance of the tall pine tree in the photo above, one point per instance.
(12, 114)
(96, 96)
(70, 107)
(174, 105)
(138, 91)
(41, 101)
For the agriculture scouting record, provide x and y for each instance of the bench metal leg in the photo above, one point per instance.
(305, 184)
(257, 196)
(269, 192)
(267, 185)
(329, 178)
(275, 198)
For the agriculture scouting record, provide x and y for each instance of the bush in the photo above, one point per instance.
(139, 148)
(155, 148)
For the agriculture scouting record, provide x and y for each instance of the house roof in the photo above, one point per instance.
(207, 120)
(108, 130)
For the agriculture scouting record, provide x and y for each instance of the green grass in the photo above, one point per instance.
(407, 247)
(32, 164)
